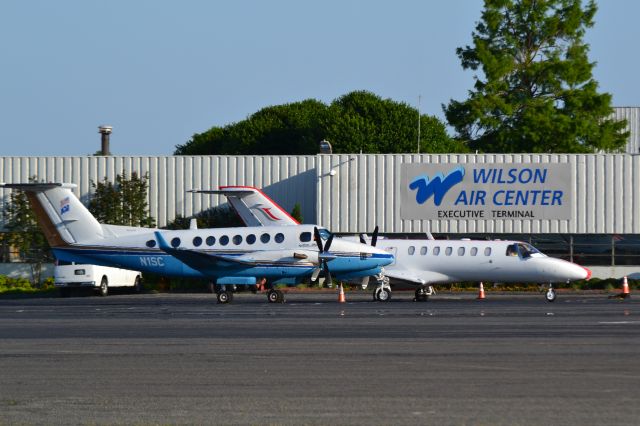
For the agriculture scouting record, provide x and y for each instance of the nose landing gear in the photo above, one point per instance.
(550, 295)
(382, 293)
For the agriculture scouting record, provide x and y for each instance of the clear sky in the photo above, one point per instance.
(159, 71)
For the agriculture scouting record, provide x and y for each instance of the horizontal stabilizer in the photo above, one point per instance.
(37, 187)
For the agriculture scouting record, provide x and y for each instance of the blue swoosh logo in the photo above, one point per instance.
(436, 187)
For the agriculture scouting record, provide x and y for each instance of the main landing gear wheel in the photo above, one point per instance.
(550, 295)
(225, 297)
(137, 285)
(104, 287)
(421, 295)
(275, 296)
(382, 294)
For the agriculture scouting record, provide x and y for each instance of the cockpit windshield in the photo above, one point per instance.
(523, 250)
(527, 250)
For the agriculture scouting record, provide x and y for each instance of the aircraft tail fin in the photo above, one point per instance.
(253, 206)
(61, 215)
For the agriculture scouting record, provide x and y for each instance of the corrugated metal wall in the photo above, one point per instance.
(632, 114)
(364, 191)
(287, 179)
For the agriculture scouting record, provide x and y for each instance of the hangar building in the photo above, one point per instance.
(585, 208)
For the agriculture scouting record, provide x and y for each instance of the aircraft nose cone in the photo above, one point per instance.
(577, 272)
(562, 270)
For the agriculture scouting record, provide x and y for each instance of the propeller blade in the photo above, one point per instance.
(362, 240)
(327, 274)
(316, 236)
(314, 274)
(328, 244)
(364, 283)
(374, 239)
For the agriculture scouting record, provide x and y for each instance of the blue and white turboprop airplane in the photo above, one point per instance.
(422, 263)
(227, 255)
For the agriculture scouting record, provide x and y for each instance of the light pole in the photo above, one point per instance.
(419, 96)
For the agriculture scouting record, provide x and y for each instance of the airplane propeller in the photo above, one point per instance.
(323, 256)
(374, 238)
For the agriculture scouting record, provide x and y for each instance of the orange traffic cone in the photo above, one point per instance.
(625, 288)
(481, 292)
(341, 298)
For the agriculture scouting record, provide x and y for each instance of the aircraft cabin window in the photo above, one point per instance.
(265, 238)
(512, 250)
(487, 251)
(150, 244)
(237, 239)
(279, 237)
(411, 250)
(460, 251)
(448, 251)
(250, 239)
(423, 250)
(175, 242)
(436, 251)
(211, 240)
(224, 240)
(473, 251)
(305, 237)
(197, 241)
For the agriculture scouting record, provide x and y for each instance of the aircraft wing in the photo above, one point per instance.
(404, 275)
(415, 277)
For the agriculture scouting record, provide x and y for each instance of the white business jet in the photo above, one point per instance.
(427, 262)
(227, 255)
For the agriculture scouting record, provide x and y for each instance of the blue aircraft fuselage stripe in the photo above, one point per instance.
(159, 262)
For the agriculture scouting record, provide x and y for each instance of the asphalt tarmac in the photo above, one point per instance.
(183, 359)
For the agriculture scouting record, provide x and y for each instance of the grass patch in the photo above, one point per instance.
(17, 286)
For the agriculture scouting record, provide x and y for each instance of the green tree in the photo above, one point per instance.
(296, 213)
(294, 128)
(358, 121)
(24, 234)
(123, 202)
(536, 92)
(363, 122)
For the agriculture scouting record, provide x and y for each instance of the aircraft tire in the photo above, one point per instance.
(103, 290)
(550, 295)
(382, 295)
(420, 296)
(275, 296)
(137, 285)
(225, 297)
(272, 296)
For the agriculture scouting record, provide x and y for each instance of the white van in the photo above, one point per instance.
(100, 278)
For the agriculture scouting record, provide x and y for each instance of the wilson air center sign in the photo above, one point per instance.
(486, 191)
